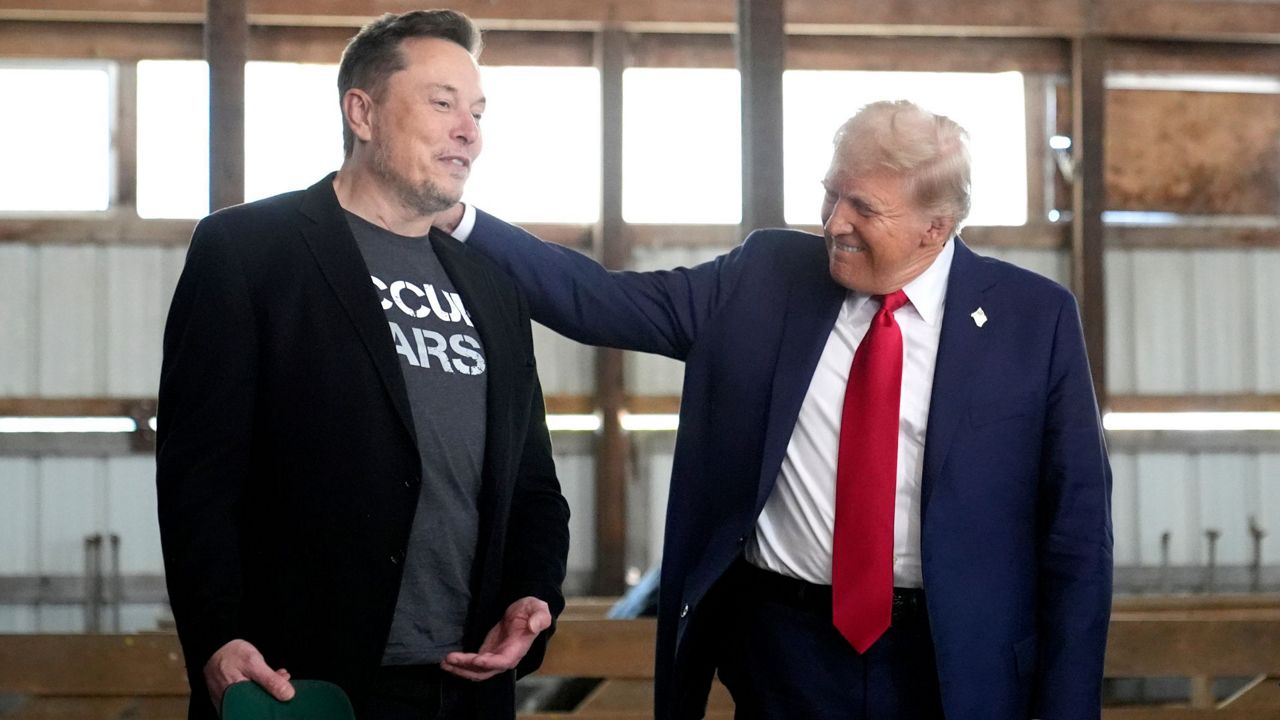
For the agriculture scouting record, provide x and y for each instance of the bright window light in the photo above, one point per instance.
(573, 423)
(57, 154)
(1192, 421)
(173, 139)
(650, 422)
(293, 126)
(541, 157)
(817, 102)
(67, 425)
(681, 146)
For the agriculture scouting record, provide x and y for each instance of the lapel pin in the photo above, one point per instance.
(979, 317)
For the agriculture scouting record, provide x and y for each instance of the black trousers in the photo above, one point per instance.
(418, 692)
(782, 658)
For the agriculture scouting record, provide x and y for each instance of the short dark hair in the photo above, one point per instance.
(373, 55)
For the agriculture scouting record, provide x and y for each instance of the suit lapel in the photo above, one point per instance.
(811, 311)
(960, 351)
(334, 247)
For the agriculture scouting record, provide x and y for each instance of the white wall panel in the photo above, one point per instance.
(1268, 509)
(1265, 267)
(1226, 484)
(1053, 264)
(1222, 316)
(564, 366)
(72, 312)
(131, 513)
(19, 537)
(138, 296)
(1166, 502)
(72, 504)
(576, 469)
(1163, 338)
(1120, 331)
(17, 323)
(1125, 523)
(17, 619)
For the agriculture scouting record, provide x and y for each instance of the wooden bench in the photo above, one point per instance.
(141, 677)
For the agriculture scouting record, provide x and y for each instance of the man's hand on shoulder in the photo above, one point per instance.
(506, 644)
(448, 220)
(238, 660)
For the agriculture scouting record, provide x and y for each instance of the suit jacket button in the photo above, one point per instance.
(408, 483)
(684, 611)
(395, 559)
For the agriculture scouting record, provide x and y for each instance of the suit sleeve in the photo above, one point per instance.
(537, 546)
(658, 312)
(1075, 536)
(204, 425)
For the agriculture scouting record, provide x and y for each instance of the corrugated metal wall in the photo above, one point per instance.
(86, 321)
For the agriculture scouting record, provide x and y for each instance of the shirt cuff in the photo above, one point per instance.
(466, 224)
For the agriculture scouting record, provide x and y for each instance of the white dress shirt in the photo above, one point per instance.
(794, 532)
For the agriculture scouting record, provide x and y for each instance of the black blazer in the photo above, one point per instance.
(287, 465)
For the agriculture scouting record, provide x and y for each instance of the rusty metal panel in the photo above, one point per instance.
(1193, 152)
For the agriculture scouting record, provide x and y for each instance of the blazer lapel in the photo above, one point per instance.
(960, 350)
(811, 311)
(331, 243)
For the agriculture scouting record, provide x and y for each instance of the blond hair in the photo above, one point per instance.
(930, 151)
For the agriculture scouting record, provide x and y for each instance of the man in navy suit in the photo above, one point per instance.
(883, 401)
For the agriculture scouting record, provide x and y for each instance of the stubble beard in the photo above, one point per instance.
(425, 198)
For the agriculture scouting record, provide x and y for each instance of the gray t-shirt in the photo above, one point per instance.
(443, 364)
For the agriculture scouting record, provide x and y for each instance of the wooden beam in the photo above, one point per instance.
(762, 49)
(1025, 18)
(1195, 403)
(1246, 20)
(1088, 107)
(1193, 57)
(226, 49)
(97, 665)
(613, 249)
(124, 144)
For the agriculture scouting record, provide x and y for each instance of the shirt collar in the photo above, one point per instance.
(928, 292)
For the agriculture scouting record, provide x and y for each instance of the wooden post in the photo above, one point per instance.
(1088, 191)
(761, 60)
(613, 249)
(124, 188)
(226, 47)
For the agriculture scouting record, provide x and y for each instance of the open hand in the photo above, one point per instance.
(505, 645)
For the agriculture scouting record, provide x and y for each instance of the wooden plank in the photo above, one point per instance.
(1028, 18)
(96, 708)
(1088, 105)
(613, 249)
(1143, 646)
(602, 648)
(1191, 19)
(322, 44)
(1193, 57)
(928, 54)
(762, 51)
(1262, 693)
(92, 665)
(1176, 713)
(226, 49)
(1195, 403)
(125, 139)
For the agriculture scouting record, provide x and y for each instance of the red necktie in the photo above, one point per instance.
(866, 482)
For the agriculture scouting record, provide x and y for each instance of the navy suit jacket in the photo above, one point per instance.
(1016, 532)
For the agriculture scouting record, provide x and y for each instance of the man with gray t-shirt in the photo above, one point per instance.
(354, 475)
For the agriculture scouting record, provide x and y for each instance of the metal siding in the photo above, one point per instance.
(1221, 320)
(72, 504)
(576, 469)
(564, 366)
(131, 512)
(654, 452)
(71, 312)
(1163, 350)
(19, 538)
(1265, 271)
(1225, 484)
(1166, 501)
(17, 619)
(1125, 521)
(1269, 506)
(59, 619)
(138, 296)
(17, 322)
(1053, 264)
(1120, 322)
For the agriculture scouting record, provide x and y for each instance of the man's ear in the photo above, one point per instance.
(357, 110)
(939, 230)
